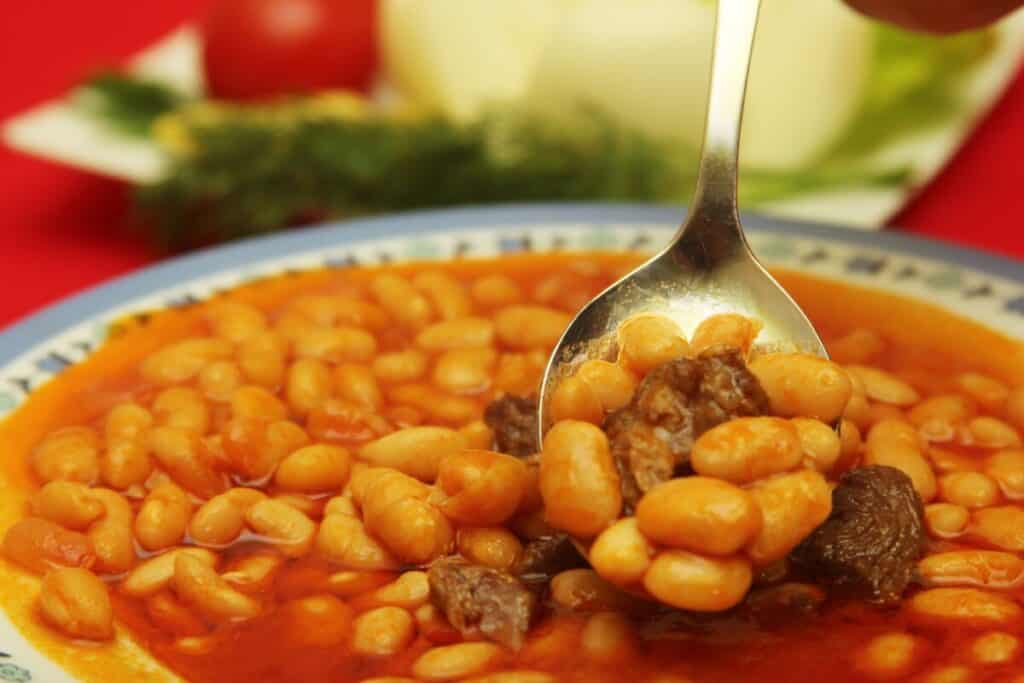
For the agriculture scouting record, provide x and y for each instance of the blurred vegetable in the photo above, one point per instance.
(645, 63)
(912, 87)
(128, 104)
(243, 169)
(811, 65)
(945, 17)
(255, 49)
(459, 57)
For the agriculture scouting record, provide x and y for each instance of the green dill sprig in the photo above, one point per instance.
(249, 176)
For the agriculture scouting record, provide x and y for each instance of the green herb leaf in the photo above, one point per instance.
(127, 103)
(913, 86)
(252, 176)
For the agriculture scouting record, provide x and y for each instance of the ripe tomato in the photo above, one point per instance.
(256, 49)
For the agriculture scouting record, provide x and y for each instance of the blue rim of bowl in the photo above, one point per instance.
(95, 301)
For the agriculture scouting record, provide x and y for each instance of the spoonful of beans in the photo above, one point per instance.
(708, 268)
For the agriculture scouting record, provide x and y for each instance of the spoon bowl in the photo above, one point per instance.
(708, 268)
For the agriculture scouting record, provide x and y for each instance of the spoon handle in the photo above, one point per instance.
(714, 206)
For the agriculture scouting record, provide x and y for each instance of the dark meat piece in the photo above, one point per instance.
(546, 556)
(482, 599)
(870, 544)
(727, 390)
(514, 421)
(674, 404)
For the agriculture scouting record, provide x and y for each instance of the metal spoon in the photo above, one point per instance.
(708, 267)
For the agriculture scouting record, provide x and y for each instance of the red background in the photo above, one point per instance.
(62, 230)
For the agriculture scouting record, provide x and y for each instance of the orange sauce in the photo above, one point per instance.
(926, 346)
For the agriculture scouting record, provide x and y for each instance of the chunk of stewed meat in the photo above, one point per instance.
(546, 556)
(514, 422)
(675, 403)
(870, 544)
(482, 600)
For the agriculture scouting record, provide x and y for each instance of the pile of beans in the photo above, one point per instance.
(758, 487)
(294, 470)
(322, 450)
